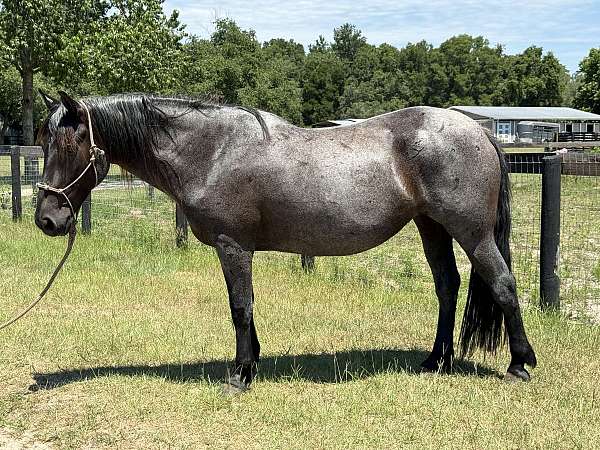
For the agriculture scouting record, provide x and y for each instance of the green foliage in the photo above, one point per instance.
(275, 90)
(347, 41)
(107, 46)
(135, 48)
(10, 98)
(588, 92)
(374, 87)
(472, 71)
(38, 29)
(533, 79)
(90, 46)
(571, 88)
(233, 67)
(323, 77)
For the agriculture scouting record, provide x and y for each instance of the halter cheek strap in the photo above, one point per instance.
(94, 150)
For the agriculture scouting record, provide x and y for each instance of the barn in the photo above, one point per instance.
(512, 124)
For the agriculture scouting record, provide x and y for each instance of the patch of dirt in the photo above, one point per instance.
(10, 441)
(595, 313)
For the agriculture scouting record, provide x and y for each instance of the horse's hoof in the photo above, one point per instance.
(229, 390)
(437, 366)
(235, 386)
(516, 374)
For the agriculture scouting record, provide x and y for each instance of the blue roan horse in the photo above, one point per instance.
(250, 181)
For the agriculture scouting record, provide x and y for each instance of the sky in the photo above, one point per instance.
(568, 28)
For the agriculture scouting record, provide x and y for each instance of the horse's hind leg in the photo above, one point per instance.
(490, 265)
(437, 244)
(236, 263)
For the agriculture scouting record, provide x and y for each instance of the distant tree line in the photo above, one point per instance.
(107, 46)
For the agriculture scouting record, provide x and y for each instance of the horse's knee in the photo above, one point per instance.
(505, 291)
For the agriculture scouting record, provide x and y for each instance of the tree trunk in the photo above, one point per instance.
(31, 164)
(27, 101)
(3, 131)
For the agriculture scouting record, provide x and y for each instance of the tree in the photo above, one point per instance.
(276, 86)
(91, 46)
(202, 62)
(414, 61)
(33, 32)
(347, 41)
(233, 67)
(571, 89)
(473, 70)
(134, 47)
(323, 83)
(238, 57)
(10, 99)
(375, 85)
(588, 93)
(533, 79)
(320, 45)
(290, 51)
(275, 90)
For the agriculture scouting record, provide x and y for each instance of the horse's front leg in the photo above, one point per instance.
(236, 262)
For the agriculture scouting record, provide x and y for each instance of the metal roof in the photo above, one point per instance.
(527, 112)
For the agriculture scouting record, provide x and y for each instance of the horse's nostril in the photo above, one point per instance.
(48, 224)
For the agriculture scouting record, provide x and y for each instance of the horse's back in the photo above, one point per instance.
(346, 189)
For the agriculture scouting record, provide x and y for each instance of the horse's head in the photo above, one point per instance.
(73, 165)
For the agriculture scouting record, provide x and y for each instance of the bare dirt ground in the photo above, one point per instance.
(10, 441)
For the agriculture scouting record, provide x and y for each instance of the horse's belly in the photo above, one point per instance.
(350, 225)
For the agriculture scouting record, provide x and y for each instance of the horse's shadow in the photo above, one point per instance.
(319, 368)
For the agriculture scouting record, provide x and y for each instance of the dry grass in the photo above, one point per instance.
(129, 348)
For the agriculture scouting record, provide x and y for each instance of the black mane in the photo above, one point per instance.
(146, 120)
(132, 124)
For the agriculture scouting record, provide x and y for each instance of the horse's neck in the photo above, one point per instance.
(152, 172)
(169, 167)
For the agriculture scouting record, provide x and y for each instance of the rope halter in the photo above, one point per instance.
(94, 151)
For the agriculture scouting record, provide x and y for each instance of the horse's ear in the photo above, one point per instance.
(49, 101)
(70, 103)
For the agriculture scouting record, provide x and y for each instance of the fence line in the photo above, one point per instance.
(16, 153)
(136, 212)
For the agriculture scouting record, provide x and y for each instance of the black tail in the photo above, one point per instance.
(482, 320)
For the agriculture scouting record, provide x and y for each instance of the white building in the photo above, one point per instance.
(531, 124)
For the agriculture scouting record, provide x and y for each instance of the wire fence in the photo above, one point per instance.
(525, 235)
(131, 211)
(579, 261)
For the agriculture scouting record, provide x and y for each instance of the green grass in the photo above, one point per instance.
(129, 348)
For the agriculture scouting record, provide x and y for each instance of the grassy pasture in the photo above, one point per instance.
(129, 348)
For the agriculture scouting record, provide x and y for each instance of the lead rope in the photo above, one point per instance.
(72, 233)
(72, 230)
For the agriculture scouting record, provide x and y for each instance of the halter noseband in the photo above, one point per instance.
(94, 151)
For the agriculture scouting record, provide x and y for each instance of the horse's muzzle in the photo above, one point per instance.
(51, 227)
(54, 223)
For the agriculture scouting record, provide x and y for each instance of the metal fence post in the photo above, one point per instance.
(550, 233)
(86, 215)
(15, 170)
(181, 226)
